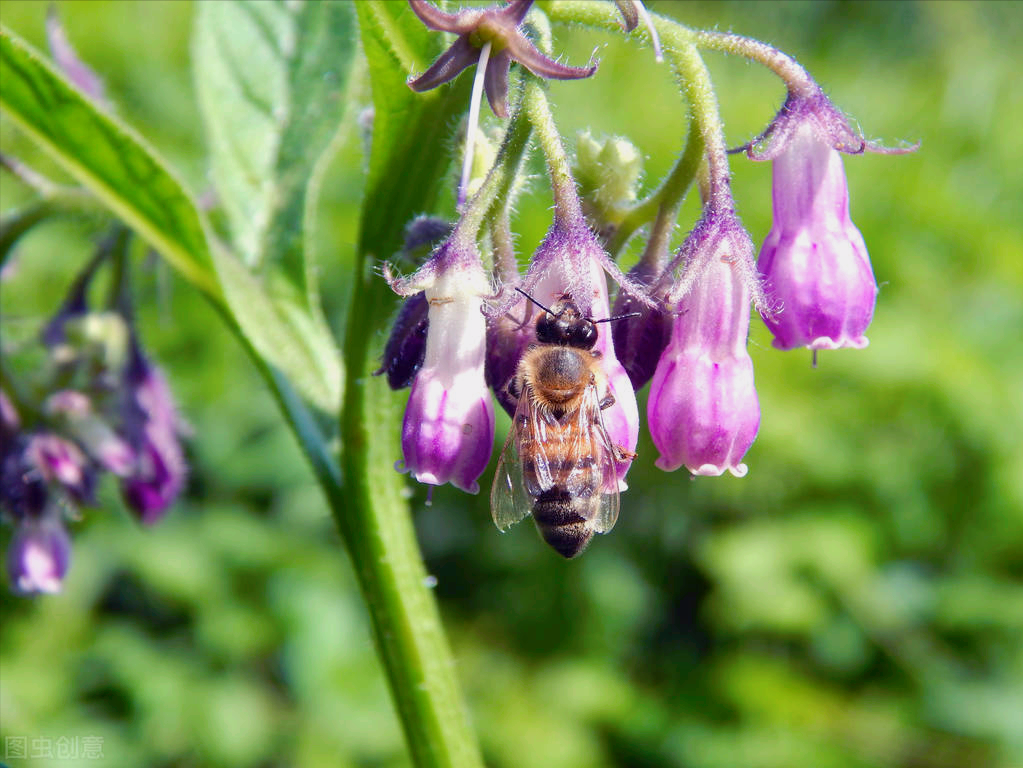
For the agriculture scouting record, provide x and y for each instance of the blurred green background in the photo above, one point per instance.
(855, 601)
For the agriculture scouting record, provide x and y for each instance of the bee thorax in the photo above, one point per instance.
(561, 374)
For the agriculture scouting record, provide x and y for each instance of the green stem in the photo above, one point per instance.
(61, 200)
(796, 78)
(680, 48)
(497, 185)
(538, 111)
(505, 264)
(373, 517)
(666, 198)
(376, 525)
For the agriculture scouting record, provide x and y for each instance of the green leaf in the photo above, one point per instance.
(411, 132)
(271, 79)
(106, 156)
(128, 177)
(283, 333)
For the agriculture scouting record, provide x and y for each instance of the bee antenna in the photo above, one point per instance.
(545, 309)
(618, 317)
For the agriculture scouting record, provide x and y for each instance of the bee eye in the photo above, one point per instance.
(546, 330)
(585, 335)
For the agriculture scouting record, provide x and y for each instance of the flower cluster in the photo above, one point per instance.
(679, 322)
(107, 408)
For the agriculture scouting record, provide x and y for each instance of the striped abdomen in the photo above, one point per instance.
(563, 480)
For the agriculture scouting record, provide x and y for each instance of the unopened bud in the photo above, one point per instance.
(608, 172)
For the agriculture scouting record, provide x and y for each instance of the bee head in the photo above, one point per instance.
(563, 325)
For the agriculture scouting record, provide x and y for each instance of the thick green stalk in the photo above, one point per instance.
(373, 517)
(375, 522)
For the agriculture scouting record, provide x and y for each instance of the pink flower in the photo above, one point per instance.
(703, 409)
(448, 432)
(571, 263)
(814, 260)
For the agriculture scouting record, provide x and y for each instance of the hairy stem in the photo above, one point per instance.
(494, 191)
(538, 111)
(796, 78)
(680, 48)
(666, 198)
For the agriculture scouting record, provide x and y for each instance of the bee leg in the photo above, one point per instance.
(623, 455)
(607, 402)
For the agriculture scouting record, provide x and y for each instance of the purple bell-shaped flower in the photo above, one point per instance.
(152, 428)
(703, 409)
(448, 432)
(571, 263)
(814, 261)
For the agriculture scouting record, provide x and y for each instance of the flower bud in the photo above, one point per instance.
(151, 429)
(508, 336)
(61, 462)
(608, 173)
(703, 409)
(814, 260)
(23, 490)
(639, 341)
(94, 434)
(39, 555)
(406, 346)
(423, 234)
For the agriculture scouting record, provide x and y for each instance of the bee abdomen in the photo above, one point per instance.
(557, 516)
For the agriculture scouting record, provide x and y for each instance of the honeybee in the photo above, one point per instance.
(559, 461)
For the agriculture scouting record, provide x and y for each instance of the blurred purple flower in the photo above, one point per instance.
(39, 555)
(98, 438)
(63, 463)
(152, 429)
(80, 75)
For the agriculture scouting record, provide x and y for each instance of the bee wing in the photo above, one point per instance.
(509, 501)
(602, 448)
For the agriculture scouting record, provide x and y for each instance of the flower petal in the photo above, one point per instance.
(496, 83)
(448, 65)
(526, 54)
(436, 19)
